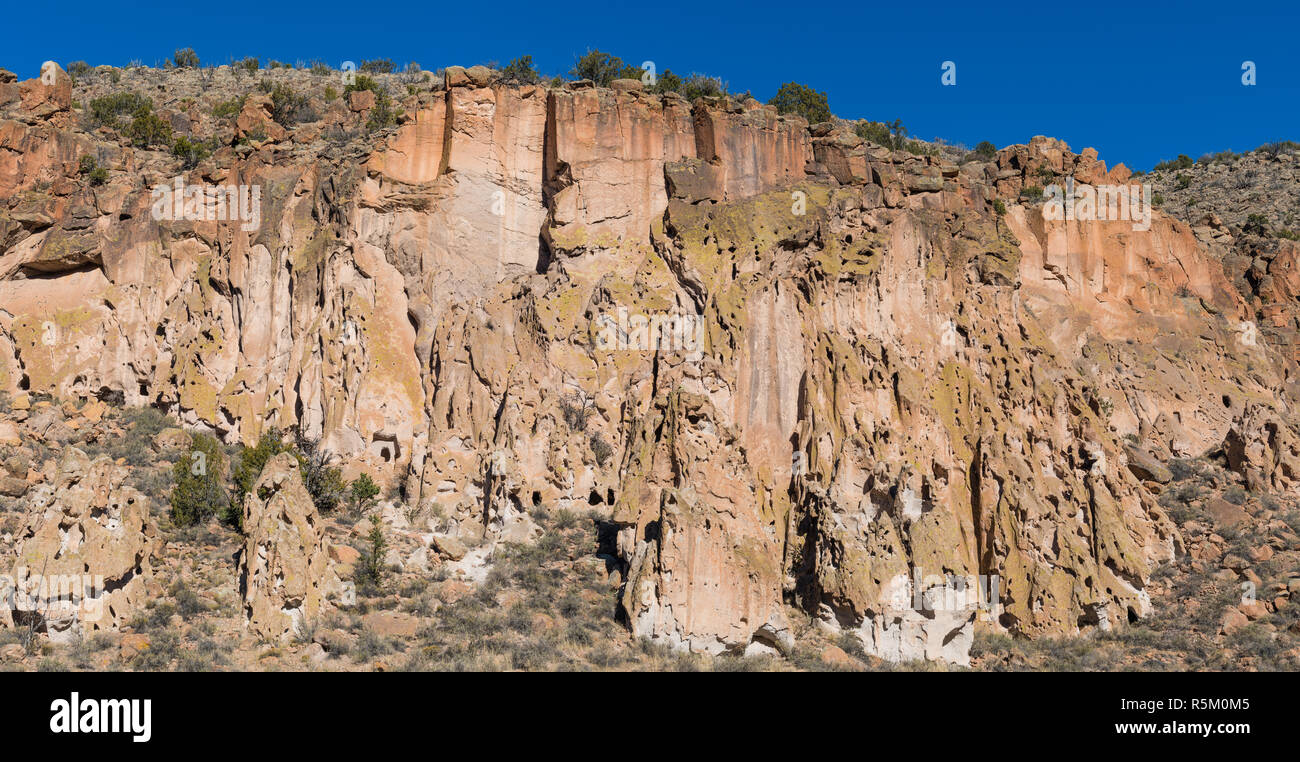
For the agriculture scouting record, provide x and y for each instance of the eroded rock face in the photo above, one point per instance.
(85, 557)
(892, 393)
(285, 575)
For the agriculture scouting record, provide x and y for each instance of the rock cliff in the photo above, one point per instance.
(904, 379)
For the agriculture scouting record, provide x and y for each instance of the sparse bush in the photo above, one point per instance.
(186, 58)
(1182, 162)
(232, 107)
(999, 207)
(576, 410)
(600, 449)
(378, 66)
(287, 107)
(323, 481)
(78, 69)
(985, 150)
(250, 65)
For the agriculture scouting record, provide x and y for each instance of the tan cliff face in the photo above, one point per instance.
(894, 390)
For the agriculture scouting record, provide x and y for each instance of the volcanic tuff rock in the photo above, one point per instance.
(85, 557)
(898, 388)
(285, 575)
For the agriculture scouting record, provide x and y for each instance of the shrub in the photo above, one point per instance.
(378, 66)
(287, 107)
(601, 449)
(794, 98)
(521, 70)
(95, 174)
(1032, 193)
(985, 150)
(78, 69)
(199, 493)
(363, 493)
(105, 110)
(892, 135)
(703, 86)
(186, 58)
(999, 207)
(323, 481)
(1256, 224)
(232, 107)
(370, 569)
(147, 129)
(249, 467)
(667, 83)
(250, 64)
(1182, 162)
(190, 152)
(576, 410)
(603, 68)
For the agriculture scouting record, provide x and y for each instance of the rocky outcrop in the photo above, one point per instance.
(285, 577)
(84, 560)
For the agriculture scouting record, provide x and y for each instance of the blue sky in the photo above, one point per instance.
(1140, 82)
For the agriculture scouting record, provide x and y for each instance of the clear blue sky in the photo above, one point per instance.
(1140, 81)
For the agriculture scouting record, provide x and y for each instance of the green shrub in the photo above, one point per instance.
(95, 174)
(1182, 162)
(105, 110)
(199, 493)
(190, 152)
(147, 129)
(78, 69)
(251, 461)
(603, 68)
(794, 98)
(370, 569)
(232, 107)
(999, 207)
(250, 64)
(362, 493)
(1032, 193)
(521, 70)
(667, 83)
(985, 150)
(186, 58)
